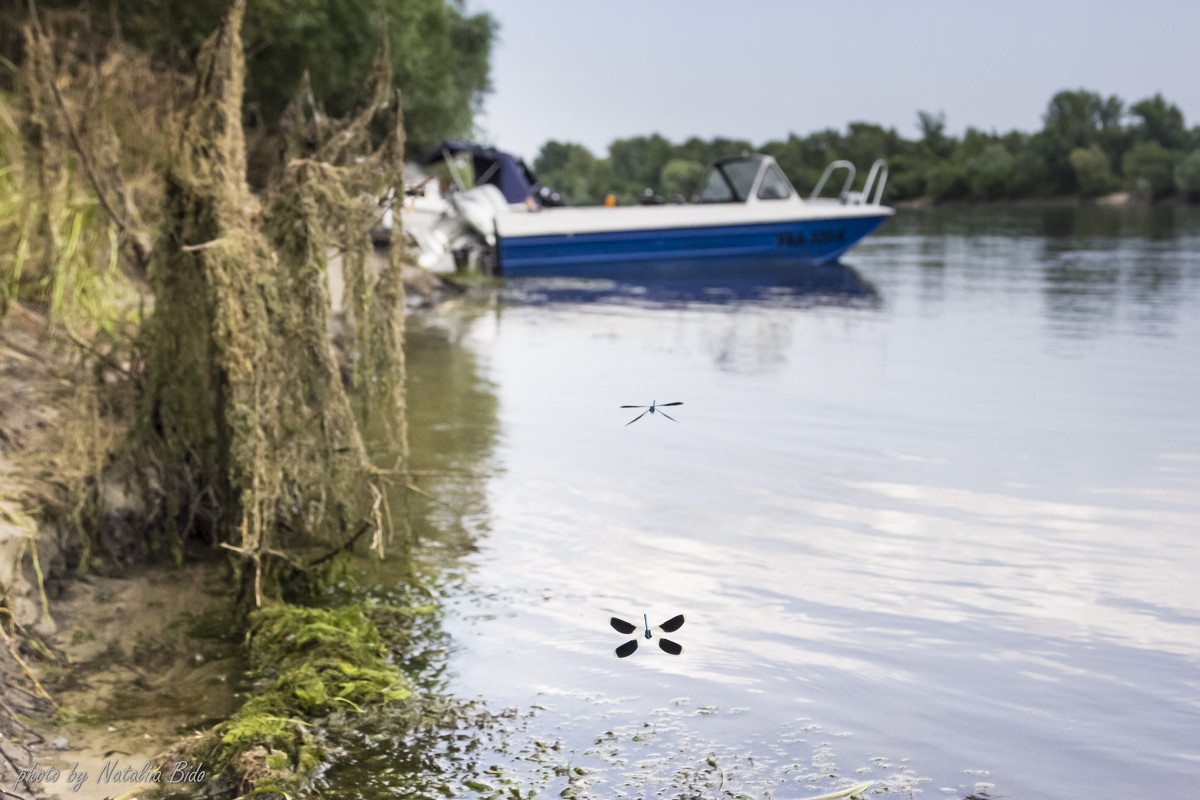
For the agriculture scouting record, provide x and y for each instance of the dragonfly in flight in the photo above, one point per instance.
(670, 626)
(650, 409)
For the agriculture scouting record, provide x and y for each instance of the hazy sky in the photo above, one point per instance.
(594, 71)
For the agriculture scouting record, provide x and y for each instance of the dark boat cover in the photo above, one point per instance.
(504, 171)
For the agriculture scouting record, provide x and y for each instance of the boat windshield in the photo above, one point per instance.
(774, 186)
(728, 182)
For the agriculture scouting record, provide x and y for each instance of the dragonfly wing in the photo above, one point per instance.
(635, 406)
(635, 419)
(660, 405)
(670, 647)
(668, 416)
(621, 626)
(626, 649)
(673, 624)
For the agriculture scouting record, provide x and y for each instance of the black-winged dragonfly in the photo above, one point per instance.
(667, 646)
(650, 409)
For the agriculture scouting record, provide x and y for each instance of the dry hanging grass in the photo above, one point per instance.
(244, 402)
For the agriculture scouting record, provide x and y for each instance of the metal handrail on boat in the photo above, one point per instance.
(829, 170)
(879, 171)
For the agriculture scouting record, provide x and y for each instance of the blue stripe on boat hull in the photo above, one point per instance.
(625, 254)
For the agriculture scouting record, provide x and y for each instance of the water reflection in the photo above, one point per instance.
(1082, 292)
(914, 511)
(453, 427)
(1088, 225)
(783, 285)
(1068, 227)
(1100, 271)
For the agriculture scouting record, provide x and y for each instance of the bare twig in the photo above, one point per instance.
(423, 493)
(191, 248)
(19, 772)
(12, 650)
(366, 526)
(22, 351)
(103, 357)
(432, 472)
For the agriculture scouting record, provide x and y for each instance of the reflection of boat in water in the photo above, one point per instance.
(745, 212)
(831, 284)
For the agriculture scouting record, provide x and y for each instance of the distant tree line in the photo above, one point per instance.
(1088, 146)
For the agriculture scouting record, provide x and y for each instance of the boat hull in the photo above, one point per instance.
(618, 254)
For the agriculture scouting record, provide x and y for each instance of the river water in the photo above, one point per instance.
(932, 515)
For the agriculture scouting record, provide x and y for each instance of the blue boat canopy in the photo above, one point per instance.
(503, 170)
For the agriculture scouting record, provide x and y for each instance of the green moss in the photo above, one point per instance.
(325, 657)
(255, 726)
(277, 761)
(314, 662)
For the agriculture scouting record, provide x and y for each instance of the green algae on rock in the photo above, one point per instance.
(312, 663)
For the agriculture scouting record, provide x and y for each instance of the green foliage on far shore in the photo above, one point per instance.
(1089, 145)
(1187, 174)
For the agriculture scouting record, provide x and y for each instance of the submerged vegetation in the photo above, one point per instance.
(309, 663)
(1089, 145)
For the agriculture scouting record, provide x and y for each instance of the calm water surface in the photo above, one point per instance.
(933, 515)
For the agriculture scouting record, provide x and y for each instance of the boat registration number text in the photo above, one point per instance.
(818, 236)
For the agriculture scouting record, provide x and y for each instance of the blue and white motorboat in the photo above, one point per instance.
(744, 214)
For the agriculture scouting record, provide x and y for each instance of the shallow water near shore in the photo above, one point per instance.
(933, 515)
(134, 674)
